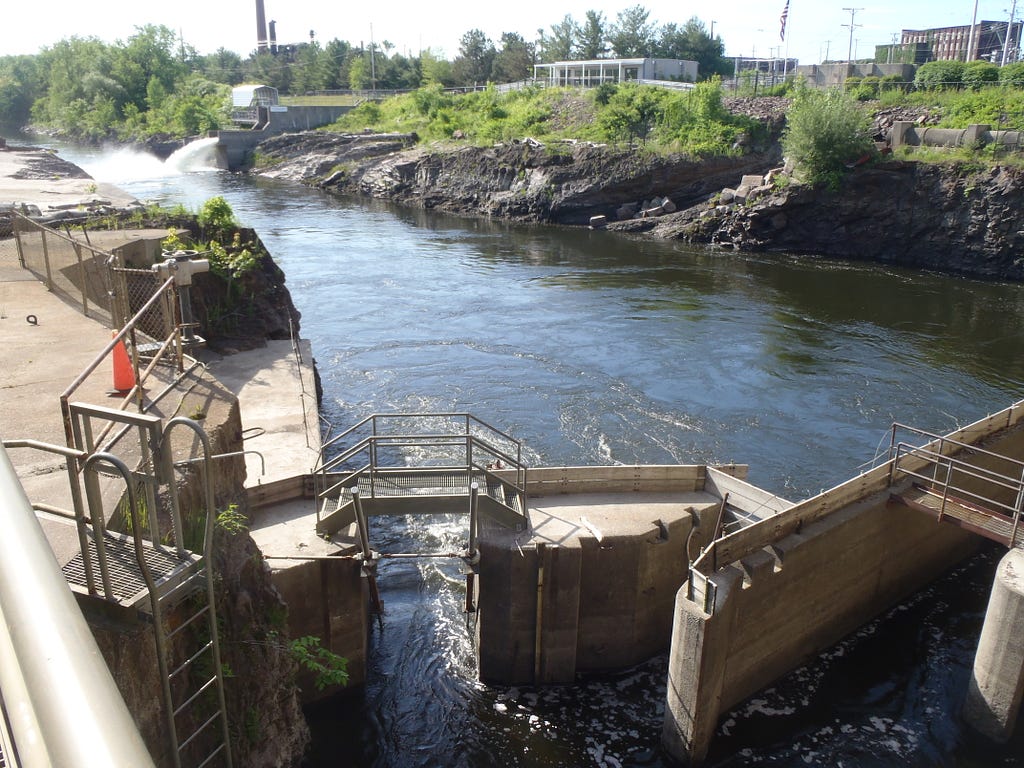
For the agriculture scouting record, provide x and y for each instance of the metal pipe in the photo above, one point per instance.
(53, 676)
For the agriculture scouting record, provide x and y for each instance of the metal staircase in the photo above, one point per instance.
(148, 572)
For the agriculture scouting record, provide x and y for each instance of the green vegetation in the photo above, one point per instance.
(329, 668)
(825, 132)
(155, 84)
(694, 122)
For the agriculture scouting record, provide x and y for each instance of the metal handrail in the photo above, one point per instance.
(369, 448)
(63, 705)
(995, 480)
(943, 440)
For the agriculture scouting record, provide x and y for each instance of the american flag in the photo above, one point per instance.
(782, 20)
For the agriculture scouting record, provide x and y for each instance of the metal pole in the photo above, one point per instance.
(1009, 31)
(972, 38)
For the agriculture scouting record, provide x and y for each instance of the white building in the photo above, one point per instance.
(593, 73)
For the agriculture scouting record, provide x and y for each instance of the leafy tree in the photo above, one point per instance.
(514, 61)
(691, 42)
(19, 82)
(940, 76)
(222, 66)
(825, 130)
(632, 36)
(592, 40)
(435, 69)
(151, 53)
(476, 57)
(560, 44)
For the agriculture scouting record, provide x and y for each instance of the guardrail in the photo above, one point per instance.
(61, 704)
(382, 445)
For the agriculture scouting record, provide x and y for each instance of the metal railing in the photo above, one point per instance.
(391, 450)
(60, 702)
(938, 467)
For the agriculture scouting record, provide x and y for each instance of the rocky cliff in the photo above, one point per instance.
(948, 217)
(945, 217)
(564, 183)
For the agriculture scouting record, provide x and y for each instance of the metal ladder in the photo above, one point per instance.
(153, 576)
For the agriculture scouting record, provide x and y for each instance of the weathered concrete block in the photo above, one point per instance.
(598, 222)
(668, 206)
(997, 681)
(751, 180)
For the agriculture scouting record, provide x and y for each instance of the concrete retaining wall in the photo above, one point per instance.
(823, 568)
(237, 146)
(556, 605)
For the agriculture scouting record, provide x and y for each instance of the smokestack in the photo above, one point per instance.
(261, 28)
(273, 37)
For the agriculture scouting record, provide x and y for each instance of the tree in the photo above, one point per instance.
(435, 69)
(693, 43)
(561, 43)
(514, 61)
(476, 56)
(632, 36)
(223, 66)
(592, 39)
(825, 131)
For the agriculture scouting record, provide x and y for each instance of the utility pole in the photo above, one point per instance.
(852, 26)
(972, 39)
(1009, 32)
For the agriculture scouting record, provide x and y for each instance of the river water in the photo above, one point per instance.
(591, 348)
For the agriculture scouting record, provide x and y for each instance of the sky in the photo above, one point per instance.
(815, 29)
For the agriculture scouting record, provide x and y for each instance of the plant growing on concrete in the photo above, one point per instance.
(329, 668)
(826, 131)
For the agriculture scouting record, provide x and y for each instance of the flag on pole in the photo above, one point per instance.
(782, 21)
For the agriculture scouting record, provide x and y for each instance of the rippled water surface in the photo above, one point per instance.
(591, 348)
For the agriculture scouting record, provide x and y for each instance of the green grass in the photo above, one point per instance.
(691, 122)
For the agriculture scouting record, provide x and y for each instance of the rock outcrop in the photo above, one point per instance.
(943, 217)
(564, 183)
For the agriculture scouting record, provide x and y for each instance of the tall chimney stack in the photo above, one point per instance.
(273, 37)
(261, 28)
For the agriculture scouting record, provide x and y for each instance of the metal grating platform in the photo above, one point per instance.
(127, 583)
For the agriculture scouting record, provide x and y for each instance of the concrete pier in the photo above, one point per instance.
(997, 682)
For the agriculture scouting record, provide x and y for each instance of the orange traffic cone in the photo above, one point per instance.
(124, 375)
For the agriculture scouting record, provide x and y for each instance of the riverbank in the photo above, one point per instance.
(955, 217)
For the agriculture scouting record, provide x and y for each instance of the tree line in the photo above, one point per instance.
(154, 82)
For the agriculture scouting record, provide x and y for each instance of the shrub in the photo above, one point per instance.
(825, 130)
(940, 76)
(978, 74)
(1012, 75)
(216, 217)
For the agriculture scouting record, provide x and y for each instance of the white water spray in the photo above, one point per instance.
(125, 165)
(198, 155)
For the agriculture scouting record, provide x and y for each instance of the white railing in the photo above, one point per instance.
(60, 702)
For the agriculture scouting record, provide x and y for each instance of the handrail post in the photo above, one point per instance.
(1020, 511)
(364, 534)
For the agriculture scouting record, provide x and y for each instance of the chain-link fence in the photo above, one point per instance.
(73, 270)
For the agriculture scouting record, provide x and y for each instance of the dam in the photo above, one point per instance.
(572, 517)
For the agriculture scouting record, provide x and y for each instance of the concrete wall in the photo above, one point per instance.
(906, 133)
(326, 598)
(237, 145)
(824, 567)
(600, 602)
(827, 75)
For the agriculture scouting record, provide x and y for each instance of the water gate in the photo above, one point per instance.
(416, 464)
